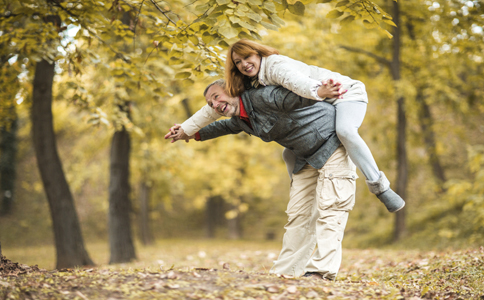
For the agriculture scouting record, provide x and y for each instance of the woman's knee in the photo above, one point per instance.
(347, 133)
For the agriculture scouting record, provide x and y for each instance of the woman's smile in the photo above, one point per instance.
(248, 65)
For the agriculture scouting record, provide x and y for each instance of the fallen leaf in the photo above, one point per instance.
(78, 293)
(172, 275)
(273, 289)
(312, 294)
(292, 289)
(279, 297)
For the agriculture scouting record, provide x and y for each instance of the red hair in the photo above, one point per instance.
(234, 80)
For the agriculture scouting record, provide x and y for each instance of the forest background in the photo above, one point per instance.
(126, 71)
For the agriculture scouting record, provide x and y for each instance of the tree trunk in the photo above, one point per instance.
(402, 168)
(214, 210)
(234, 226)
(120, 237)
(8, 135)
(402, 161)
(426, 123)
(186, 107)
(8, 150)
(210, 223)
(144, 219)
(67, 231)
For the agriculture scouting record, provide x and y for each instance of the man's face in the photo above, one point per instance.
(221, 102)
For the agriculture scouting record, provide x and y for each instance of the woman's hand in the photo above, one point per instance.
(331, 89)
(177, 133)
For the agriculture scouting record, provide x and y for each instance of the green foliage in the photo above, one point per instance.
(372, 15)
(184, 38)
(460, 214)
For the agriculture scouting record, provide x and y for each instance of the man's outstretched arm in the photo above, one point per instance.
(214, 130)
(220, 128)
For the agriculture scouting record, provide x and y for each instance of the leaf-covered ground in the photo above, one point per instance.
(236, 272)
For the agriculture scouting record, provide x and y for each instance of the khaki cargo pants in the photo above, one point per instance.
(320, 201)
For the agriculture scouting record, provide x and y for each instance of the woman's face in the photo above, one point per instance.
(247, 65)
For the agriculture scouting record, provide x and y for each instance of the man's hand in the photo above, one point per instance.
(177, 133)
(331, 89)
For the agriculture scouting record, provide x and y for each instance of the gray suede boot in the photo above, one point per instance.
(381, 188)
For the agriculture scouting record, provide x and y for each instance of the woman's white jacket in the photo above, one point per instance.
(296, 76)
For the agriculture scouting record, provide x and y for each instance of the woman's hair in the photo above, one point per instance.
(235, 80)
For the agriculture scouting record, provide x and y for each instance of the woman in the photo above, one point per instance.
(250, 65)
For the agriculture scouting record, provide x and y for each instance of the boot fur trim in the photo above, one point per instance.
(379, 186)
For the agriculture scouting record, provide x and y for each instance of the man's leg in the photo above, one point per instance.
(327, 257)
(300, 238)
(335, 195)
(290, 160)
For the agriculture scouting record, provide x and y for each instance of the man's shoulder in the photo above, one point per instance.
(261, 98)
(265, 93)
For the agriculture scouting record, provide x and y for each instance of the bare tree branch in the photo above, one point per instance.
(367, 53)
(163, 12)
(136, 23)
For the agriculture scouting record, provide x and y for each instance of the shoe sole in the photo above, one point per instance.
(399, 208)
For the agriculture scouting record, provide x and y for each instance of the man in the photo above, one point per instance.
(323, 181)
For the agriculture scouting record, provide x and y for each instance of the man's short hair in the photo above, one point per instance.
(219, 82)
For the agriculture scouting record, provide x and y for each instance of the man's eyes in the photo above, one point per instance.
(210, 103)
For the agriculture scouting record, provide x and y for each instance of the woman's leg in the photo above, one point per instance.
(349, 116)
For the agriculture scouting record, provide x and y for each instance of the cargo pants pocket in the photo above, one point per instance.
(336, 189)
